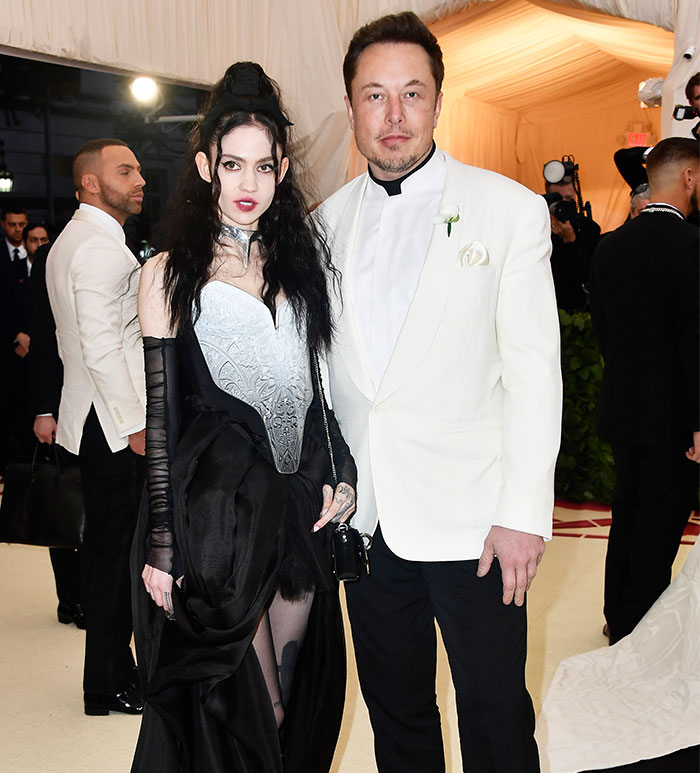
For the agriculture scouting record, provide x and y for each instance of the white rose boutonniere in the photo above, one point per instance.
(447, 214)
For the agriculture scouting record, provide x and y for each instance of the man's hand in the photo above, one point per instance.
(137, 442)
(693, 453)
(518, 553)
(22, 348)
(45, 429)
(564, 230)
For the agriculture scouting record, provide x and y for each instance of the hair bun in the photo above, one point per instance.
(247, 79)
(245, 88)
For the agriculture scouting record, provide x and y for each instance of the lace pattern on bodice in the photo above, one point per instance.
(264, 364)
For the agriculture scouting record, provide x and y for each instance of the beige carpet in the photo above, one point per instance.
(43, 729)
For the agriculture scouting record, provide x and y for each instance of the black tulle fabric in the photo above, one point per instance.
(243, 531)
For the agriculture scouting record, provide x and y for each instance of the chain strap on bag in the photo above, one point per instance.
(348, 547)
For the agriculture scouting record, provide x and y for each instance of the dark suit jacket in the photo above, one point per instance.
(644, 307)
(13, 300)
(45, 367)
(571, 265)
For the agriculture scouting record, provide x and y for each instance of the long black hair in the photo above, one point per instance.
(297, 258)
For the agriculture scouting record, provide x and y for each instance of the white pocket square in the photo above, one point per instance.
(473, 254)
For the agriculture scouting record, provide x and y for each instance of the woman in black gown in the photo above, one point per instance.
(242, 659)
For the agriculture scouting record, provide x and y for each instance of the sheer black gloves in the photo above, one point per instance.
(162, 431)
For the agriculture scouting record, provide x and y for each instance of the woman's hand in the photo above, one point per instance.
(159, 585)
(338, 506)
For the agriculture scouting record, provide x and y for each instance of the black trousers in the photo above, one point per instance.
(67, 572)
(112, 485)
(67, 563)
(655, 491)
(392, 614)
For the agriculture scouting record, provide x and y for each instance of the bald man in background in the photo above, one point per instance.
(92, 284)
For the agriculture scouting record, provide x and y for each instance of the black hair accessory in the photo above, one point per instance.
(249, 90)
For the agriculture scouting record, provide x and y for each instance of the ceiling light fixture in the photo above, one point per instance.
(7, 179)
(145, 90)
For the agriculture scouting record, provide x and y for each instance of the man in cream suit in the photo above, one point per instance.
(445, 379)
(92, 284)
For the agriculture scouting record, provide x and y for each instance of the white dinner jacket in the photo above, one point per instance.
(92, 284)
(463, 431)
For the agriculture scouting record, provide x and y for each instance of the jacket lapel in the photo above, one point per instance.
(428, 304)
(347, 345)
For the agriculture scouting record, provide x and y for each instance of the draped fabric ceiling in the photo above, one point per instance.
(531, 81)
(527, 80)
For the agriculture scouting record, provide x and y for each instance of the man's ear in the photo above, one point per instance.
(348, 107)
(90, 183)
(202, 163)
(438, 108)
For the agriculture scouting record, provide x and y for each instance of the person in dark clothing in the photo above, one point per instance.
(573, 243)
(45, 381)
(644, 308)
(237, 619)
(15, 433)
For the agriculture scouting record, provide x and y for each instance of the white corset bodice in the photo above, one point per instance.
(264, 364)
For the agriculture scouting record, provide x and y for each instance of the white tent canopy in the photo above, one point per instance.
(527, 80)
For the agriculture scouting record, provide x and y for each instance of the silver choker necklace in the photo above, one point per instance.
(244, 238)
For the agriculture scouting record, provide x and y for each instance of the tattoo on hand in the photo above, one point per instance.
(349, 502)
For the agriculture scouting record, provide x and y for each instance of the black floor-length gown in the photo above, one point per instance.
(243, 530)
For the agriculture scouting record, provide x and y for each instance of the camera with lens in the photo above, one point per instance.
(560, 173)
(562, 209)
(685, 112)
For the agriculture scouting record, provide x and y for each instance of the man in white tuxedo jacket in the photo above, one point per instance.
(445, 379)
(92, 284)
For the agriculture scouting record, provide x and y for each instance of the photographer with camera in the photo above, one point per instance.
(691, 111)
(574, 233)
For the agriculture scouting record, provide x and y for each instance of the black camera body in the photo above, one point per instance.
(562, 209)
(685, 112)
(554, 173)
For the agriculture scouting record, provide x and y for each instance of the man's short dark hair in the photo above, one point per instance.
(13, 209)
(690, 86)
(88, 153)
(35, 224)
(671, 151)
(403, 27)
(565, 180)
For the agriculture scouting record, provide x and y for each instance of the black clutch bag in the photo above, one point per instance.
(349, 553)
(42, 502)
(348, 547)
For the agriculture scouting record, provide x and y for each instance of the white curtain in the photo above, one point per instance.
(526, 83)
(561, 54)
(300, 43)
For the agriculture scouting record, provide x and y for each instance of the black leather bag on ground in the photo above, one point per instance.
(42, 502)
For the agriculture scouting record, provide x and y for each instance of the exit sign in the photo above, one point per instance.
(635, 139)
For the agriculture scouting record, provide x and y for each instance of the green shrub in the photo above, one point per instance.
(585, 470)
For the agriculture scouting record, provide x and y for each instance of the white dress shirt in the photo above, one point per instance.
(391, 244)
